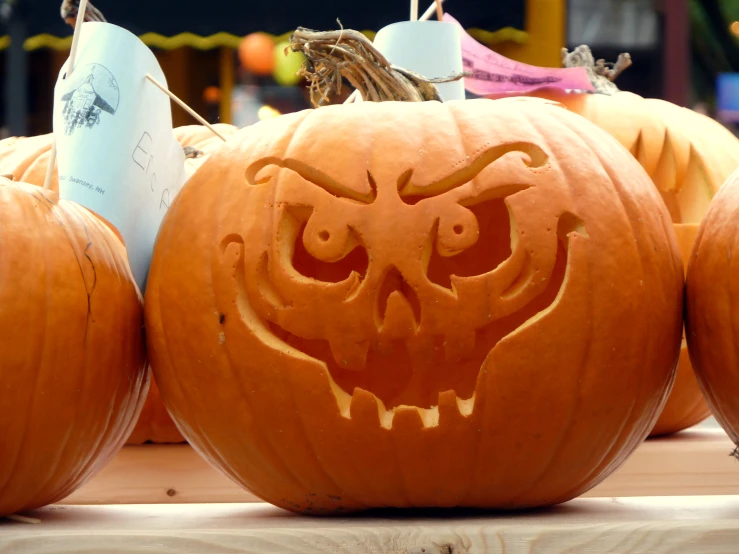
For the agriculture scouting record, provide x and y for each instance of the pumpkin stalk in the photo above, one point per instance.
(600, 74)
(332, 56)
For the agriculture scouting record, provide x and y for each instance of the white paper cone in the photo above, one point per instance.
(116, 151)
(431, 48)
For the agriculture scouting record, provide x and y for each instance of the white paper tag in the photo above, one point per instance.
(431, 48)
(116, 151)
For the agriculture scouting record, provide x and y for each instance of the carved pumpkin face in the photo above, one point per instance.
(474, 303)
(431, 302)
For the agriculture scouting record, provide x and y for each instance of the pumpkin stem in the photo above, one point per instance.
(601, 74)
(735, 452)
(332, 56)
(71, 7)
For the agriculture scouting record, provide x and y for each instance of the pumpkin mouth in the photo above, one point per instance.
(427, 375)
(405, 368)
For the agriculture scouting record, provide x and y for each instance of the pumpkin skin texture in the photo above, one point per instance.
(73, 364)
(473, 303)
(711, 307)
(688, 157)
(154, 423)
(26, 159)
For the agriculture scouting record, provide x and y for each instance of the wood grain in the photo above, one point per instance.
(689, 463)
(700, 525)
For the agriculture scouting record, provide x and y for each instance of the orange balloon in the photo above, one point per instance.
(256, 53)
(212, 95)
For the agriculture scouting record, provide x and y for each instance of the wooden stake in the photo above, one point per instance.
(414, 10)
(439, 11)
(184, 106)
(70, 67)
(429, 11)
(76, 36)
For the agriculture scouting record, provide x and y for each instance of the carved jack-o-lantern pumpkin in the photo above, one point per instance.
(416, 304)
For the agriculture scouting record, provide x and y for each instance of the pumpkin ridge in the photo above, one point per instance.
(273, 454)
(637, 439)
(622, 196)
(556, 448)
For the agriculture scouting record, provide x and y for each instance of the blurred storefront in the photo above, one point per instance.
(197, 46)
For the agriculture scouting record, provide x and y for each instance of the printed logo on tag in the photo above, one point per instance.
(95, 91)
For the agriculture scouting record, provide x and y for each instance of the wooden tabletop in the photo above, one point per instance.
(656, 525)
(691, 463)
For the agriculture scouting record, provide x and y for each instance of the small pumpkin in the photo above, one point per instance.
(73, 363)
(688, 157)
(26, 159)
(474, 303)
(199, 142)
(711, 306)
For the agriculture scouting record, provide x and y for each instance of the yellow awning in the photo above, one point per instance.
(155, 40)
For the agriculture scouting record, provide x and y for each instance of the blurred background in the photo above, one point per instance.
(220, 58)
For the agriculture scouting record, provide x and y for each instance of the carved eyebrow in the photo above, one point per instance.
(310, 174)
(484, 158)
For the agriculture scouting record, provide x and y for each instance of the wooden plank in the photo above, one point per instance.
(689, 525)
(689, 463)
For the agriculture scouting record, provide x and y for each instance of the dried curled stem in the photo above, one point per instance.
(70, 8)
(332, 56)
(601, 75)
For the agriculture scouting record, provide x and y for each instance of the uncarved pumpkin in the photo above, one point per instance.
(688, 157)
(26, 159)
(475, 303)
(73, 362)
(200, 142)
(712, 309)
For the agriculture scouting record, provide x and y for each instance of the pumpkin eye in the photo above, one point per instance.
(472, 257)
(326, 250)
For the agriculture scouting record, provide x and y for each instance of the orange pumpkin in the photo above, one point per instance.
(200, 142)
(73, 363)
(154, 423)
(475, 303)
(688, 156)
(26, 159)
(711, 309)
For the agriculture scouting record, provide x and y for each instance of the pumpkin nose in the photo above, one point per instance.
(398, 309)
